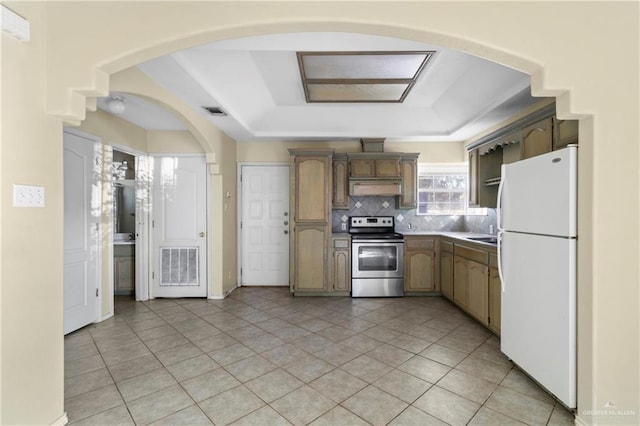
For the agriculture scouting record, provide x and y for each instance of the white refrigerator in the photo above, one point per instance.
(537, 204)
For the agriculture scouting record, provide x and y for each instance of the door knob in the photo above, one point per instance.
(286, 231)
(286, 222)
(202, 234)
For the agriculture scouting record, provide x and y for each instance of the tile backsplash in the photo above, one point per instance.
(408, 220)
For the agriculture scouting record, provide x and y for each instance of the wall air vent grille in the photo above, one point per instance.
(179, 266)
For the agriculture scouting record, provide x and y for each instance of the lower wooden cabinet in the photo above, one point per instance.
(478, 276)
(124, 269)
(420, 268)
(469, 278)
(310, 260)
(446, 274)
(341, 264)
(495, 299)
(461, 282)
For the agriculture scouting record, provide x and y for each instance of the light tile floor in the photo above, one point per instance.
(262, 357)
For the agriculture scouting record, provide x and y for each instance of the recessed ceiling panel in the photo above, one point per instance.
(360, 76)
(356, 92)
(363, 65)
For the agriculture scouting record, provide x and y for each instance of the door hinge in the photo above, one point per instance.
(153, 223)
(97, 292)
(240, 224)
(153, 275)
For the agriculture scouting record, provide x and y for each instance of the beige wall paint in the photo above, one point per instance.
(78, 53)
(172, 142)
(114, 130)
(430, 152)
(31, 358)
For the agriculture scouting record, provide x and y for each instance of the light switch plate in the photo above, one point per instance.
(28, 196)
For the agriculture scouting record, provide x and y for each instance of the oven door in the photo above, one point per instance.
(376, 259)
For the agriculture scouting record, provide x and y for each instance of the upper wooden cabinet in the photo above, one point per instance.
(311, 188)
(565, 132)
(537, 138)
(533, 135)
(340, 182)
(374, 166)
(408, 199)
(473, 178)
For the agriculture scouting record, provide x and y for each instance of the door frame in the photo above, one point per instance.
(99, 159)
(239, 206)
(208, 197)
(142, 239)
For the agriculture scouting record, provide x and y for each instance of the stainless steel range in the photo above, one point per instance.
(377, 257)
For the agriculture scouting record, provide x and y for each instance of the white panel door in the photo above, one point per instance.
(81, 222)
(538, 309)
(179, 227)
(265, 225)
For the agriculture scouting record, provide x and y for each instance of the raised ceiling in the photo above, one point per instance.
(257, 82)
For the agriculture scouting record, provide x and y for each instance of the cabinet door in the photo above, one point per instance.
(409, 196)
(446, 274)
(495, 294)
(340, 185)
(460, 282)
(473, 177)
(537, 138)
(312, 186)
(478, 304)
(362, 168)
(125, 273)
(565, 132)
(420, 266)
(341, 265)
(310, 259)
(388, 168)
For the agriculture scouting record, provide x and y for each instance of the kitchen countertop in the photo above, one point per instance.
(462, 236)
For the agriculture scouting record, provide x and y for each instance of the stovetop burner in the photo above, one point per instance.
(373, 227)
(392, 236)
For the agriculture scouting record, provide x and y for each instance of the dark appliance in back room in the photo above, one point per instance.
(377, 257)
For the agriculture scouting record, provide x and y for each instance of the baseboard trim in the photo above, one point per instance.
(106, 317)
(224, 296)
(61, 421)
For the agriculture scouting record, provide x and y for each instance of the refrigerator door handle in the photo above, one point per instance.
(500, 274)
(499, 201)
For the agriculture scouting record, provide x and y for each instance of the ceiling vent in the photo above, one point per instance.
(217, 111)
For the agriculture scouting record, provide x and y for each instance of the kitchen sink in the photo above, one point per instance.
(490, 240)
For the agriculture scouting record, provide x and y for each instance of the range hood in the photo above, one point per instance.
(360, 188)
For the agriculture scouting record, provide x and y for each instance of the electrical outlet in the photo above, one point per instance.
(28, 196)
(343, 226)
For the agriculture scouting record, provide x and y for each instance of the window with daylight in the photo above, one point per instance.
(442, 190)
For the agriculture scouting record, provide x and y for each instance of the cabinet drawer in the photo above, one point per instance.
(341, 243)
(479, 256)
(446, 246)
(418, 243)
